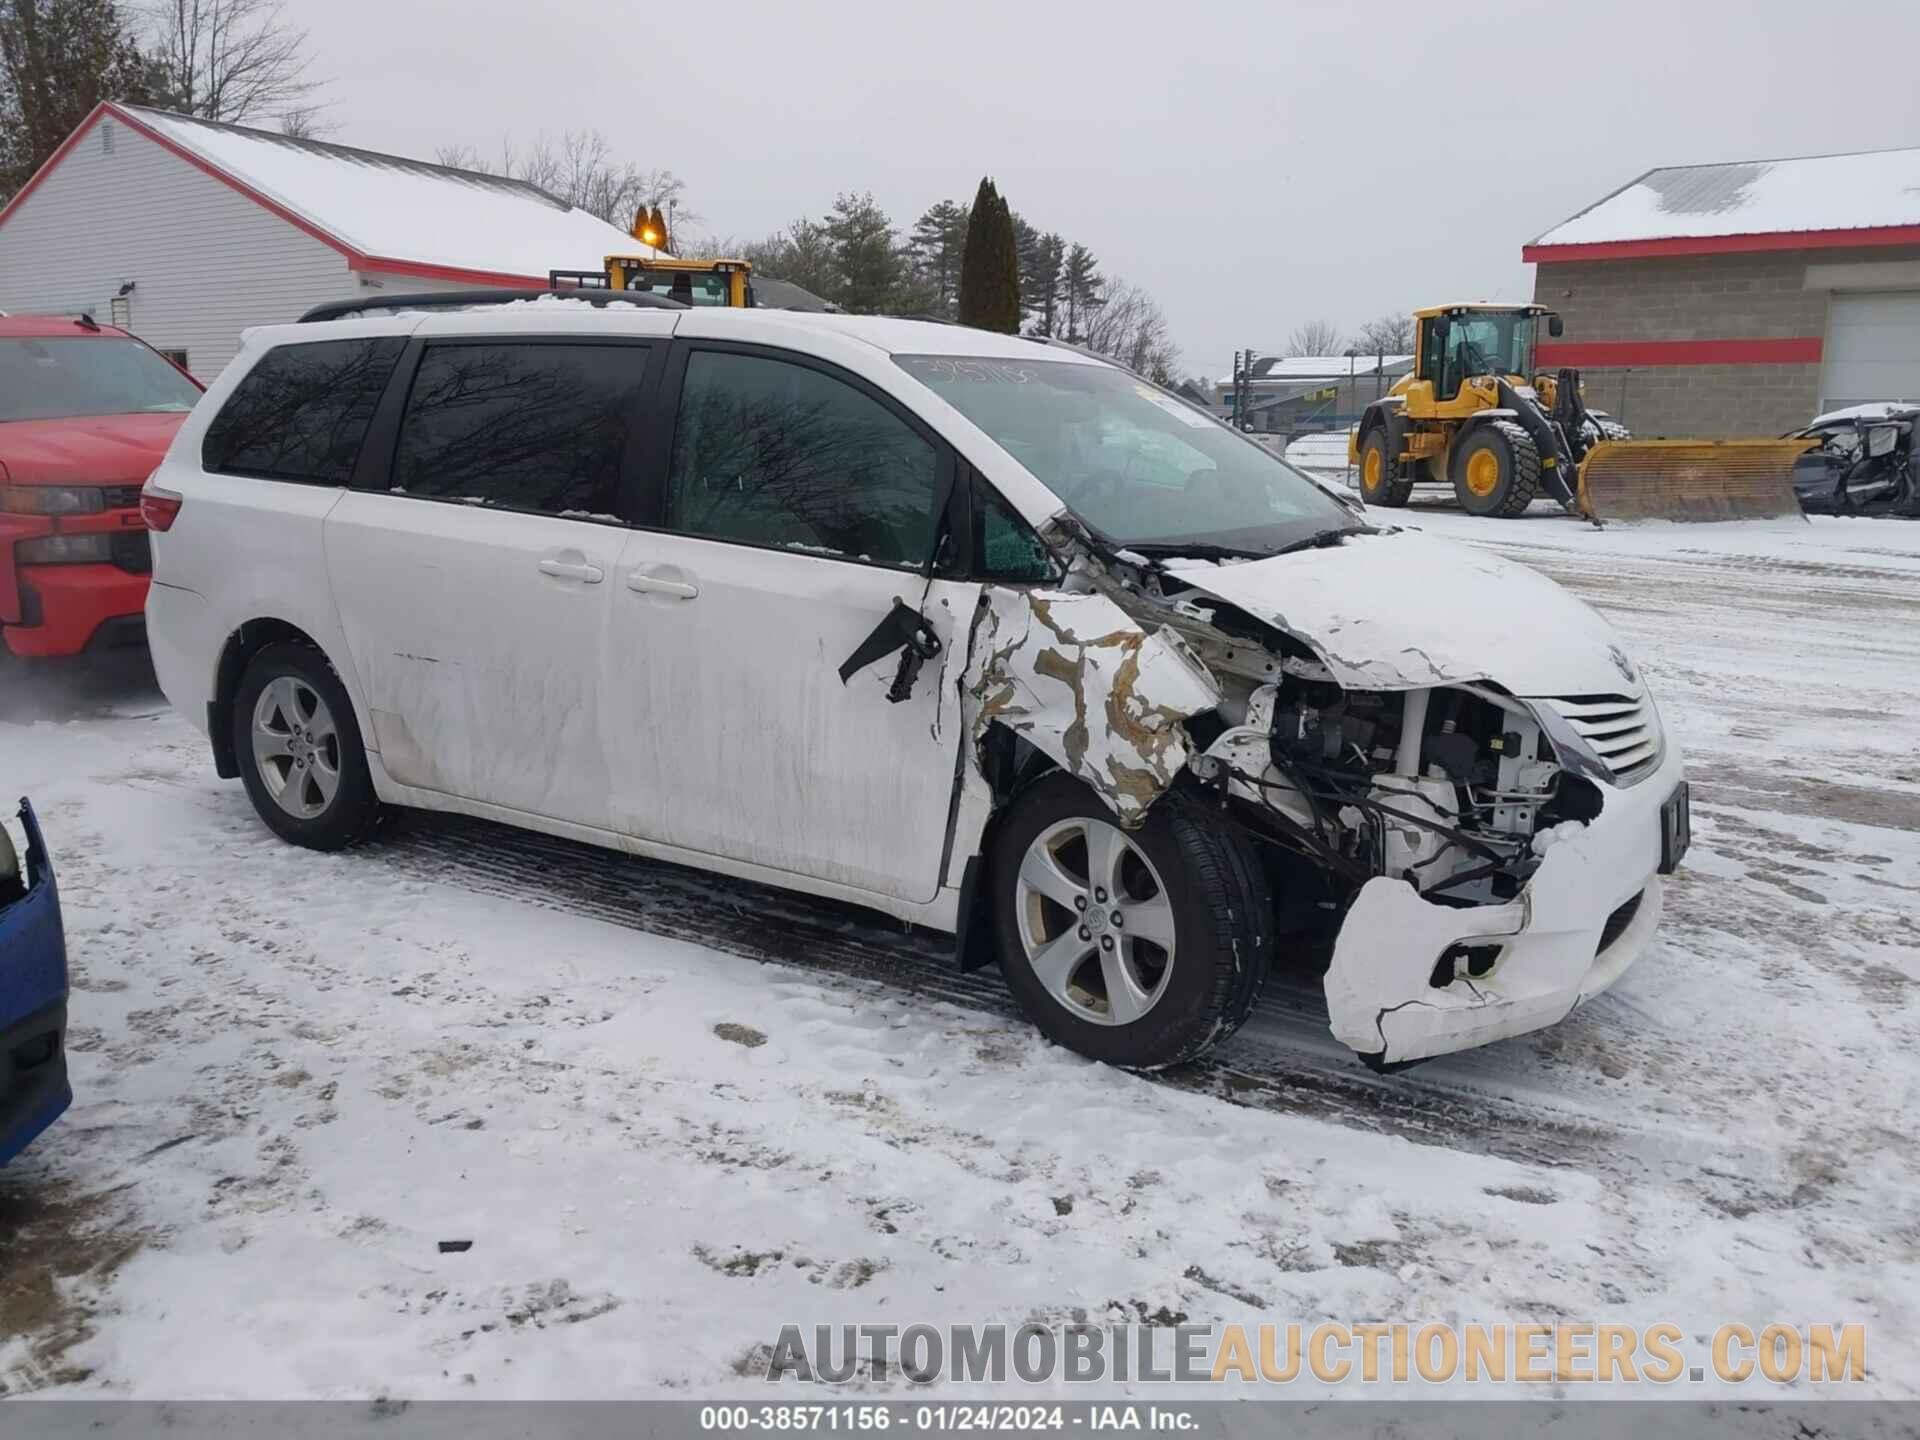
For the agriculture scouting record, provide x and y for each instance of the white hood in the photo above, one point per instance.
(1399, 610)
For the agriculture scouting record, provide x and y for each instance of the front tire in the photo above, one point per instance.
(1378, 485)
(300, 752)
(1139, 948)
(1496, 470)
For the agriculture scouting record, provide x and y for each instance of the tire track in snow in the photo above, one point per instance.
(1284, 1060)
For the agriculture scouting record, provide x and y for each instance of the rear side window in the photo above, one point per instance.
(302, 411)
(538, 427)
(786, 456)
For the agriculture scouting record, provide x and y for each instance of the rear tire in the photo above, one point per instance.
(1496, 470)
(1378, 485)
(299, 749)
(1190, 955)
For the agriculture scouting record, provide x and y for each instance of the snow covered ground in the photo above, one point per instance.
(672, 1115)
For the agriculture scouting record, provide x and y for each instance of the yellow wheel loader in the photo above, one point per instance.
(659, 272)
(1474, 414)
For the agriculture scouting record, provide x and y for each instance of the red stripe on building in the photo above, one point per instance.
(1723, 244)
(1594, 353)
(421, 270)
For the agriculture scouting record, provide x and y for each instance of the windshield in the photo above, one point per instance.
(689, 287)
(1491, 343)
(55, 378)
(1136, 465)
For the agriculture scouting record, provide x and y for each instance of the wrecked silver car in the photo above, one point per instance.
(983, 633)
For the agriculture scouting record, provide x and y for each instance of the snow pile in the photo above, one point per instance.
(1324, 455)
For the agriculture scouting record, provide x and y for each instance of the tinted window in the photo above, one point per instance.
(302, 411)
(57, 377)
(524, 426)
(781, 455)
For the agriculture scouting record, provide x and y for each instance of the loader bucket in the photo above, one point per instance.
(1689, 479)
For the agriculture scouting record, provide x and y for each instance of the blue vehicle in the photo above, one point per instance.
(33, 993)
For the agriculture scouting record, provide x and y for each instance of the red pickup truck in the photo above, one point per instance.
(86, 412)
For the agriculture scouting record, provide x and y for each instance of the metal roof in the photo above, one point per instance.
(383, 212)
(1805, 196)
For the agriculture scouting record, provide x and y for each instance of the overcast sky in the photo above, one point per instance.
(1253, 166)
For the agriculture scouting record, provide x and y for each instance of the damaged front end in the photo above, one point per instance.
(1469, 863)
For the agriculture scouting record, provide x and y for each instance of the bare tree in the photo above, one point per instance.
(307, 122)
(1130, 326)
(1390, 334)
(1316, 337)
(581, 168)
(233, 59)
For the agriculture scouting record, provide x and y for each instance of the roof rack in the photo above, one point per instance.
(467, 299)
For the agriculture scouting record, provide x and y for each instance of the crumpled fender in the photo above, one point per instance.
(1094, 691)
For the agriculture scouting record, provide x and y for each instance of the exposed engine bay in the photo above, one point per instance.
(1443, 787)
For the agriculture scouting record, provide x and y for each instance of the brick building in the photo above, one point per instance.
(1741, 299)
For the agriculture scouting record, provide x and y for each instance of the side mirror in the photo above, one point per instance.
(1556, 327)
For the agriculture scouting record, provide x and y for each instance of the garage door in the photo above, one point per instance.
(1873, 349)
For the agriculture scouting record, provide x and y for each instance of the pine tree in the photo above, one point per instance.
(990, 265)
(801, 254)
(58, 59)
(869, 265)
(1040, 285)
(1081, 286)
(934, 249)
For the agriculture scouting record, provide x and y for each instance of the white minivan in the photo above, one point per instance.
(983, 632)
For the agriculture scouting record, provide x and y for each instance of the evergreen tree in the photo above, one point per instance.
(58, 59)
(990, 265)
(870, 267)
(1040, 284)
(801, 254)
(1081, 284)
(934, 249)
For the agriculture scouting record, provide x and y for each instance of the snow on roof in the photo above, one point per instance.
(387, 207)
(1318, 367)
(1820, 192)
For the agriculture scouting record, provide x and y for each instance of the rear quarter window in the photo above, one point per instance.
(302, 411)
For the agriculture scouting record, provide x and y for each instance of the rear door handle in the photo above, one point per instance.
(573, 570)
(661, 585)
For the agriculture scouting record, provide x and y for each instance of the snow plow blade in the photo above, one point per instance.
(1689, 479)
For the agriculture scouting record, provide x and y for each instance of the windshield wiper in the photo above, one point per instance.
(1322, 539)
(1196, 550)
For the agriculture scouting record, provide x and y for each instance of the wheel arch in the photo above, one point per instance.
(248, 640)
(1010, 764)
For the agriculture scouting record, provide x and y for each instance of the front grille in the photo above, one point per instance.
(1621, 731)
(1617, 924)
(133, 552)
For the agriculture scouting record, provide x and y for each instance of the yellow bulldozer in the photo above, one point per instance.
(1474, 414)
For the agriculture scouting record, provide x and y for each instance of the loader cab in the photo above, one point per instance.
(691, 282)
(1462, 341)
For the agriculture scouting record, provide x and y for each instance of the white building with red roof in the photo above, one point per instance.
(188, 231)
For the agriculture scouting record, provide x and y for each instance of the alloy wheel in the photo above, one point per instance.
(1096, 921)
(296, 747)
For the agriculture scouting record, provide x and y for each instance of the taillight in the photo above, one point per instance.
(159, 507)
